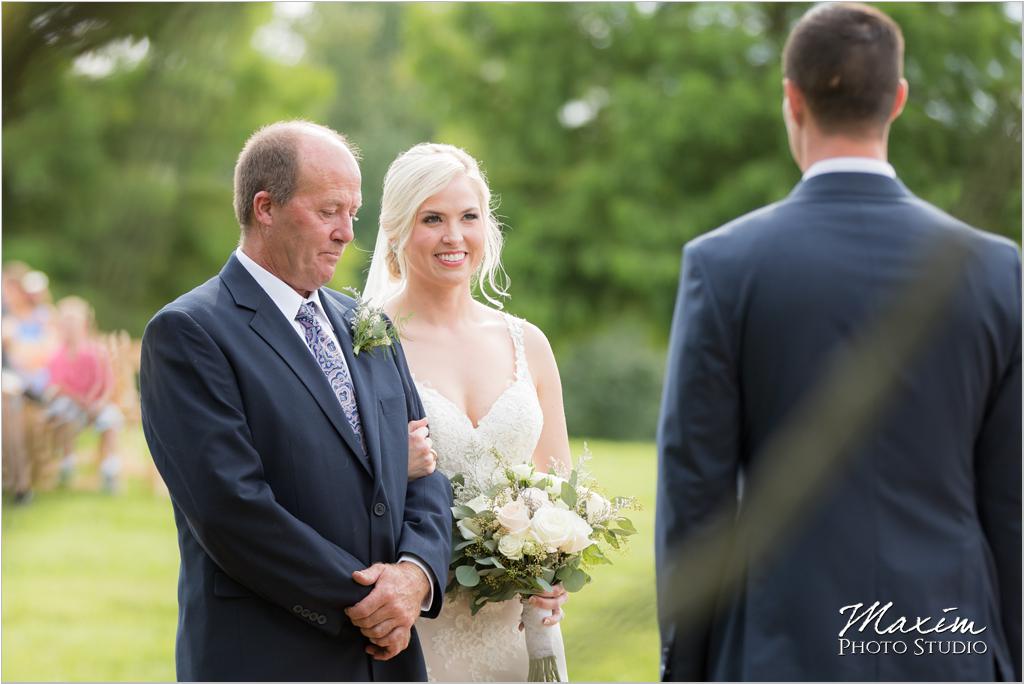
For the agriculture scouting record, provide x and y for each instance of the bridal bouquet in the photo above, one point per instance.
(527, 532)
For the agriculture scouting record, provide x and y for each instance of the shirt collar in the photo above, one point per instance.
(281, 293)
(850, 165)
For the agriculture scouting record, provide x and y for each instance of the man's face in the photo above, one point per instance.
(309, 233)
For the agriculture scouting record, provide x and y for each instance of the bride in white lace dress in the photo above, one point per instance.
(486, 378)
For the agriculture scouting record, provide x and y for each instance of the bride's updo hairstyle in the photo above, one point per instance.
(417, 174)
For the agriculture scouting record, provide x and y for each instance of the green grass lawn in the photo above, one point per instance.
(89, 585)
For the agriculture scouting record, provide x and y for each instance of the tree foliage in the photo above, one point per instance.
(612, 133)
(119, 150)
(615, 133)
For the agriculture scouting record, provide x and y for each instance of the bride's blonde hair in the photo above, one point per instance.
(416, 175)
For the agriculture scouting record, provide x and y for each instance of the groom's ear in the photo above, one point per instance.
(794, 101)
(902, 91)
(262, 208)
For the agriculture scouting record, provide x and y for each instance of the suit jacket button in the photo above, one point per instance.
(322, 620)
(379, 509)
(305, 613)
(296, 608)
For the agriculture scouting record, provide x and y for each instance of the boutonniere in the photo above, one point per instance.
(371, 328)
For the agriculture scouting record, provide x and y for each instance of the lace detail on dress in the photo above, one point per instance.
(512, 425)
(488, 646)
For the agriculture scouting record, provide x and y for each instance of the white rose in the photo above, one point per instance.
(534, 498)
(522, 471)
(579, 536)
(467, 533)
(478, 504)
(514, 516)
(598, 508)
(511, 546)
(555, 486)
(552, 526)
(531, 547)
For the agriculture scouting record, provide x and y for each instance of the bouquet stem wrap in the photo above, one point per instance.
(540, 645)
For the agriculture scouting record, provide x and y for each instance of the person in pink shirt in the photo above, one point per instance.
(81, 382)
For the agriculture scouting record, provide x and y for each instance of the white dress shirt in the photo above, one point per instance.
(289, 302)
(850, 165)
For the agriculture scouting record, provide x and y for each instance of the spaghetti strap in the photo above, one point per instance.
(515, 329)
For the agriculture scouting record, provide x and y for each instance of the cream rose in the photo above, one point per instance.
(523, 471)
(478, 503)
(579, 536)
(514, 517)
(598, 508)
(556, 484)
(552, 526)
(511, 546)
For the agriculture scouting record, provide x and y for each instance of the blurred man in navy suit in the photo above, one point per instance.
(925, 510)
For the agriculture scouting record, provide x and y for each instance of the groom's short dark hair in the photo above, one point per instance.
(847, 60)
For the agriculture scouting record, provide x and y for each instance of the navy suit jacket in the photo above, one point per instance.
(275, 501)
(926, 510)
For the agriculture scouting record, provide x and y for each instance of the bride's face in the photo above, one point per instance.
(447, 239)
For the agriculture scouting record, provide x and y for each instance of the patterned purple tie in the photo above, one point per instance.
(333, 365)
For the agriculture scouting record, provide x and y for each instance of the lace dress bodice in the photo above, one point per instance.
(488, 646)
(512, 425)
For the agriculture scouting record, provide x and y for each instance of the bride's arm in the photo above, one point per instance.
(554, 438)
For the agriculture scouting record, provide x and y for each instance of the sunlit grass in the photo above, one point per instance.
(89, 584)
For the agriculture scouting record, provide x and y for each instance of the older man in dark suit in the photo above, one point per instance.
(925, 511)
(306, 551)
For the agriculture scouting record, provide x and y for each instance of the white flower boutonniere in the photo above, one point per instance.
(371, 328)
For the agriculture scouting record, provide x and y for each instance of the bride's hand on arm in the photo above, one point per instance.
(422, 457)
(553, 444)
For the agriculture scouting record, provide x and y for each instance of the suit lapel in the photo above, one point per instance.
(271, 326)
(362, 380)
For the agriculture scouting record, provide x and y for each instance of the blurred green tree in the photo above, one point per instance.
(611, 132)
(615, 133)
(120, 139)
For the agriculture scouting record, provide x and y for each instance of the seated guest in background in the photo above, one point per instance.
(81, 381)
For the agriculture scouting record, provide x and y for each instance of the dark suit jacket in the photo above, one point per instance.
(926, 512)
(275, 501)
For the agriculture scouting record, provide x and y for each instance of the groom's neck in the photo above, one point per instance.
(817, 145)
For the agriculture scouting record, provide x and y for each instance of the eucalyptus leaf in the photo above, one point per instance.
(569, 494)
(467, 576)
(575, 581)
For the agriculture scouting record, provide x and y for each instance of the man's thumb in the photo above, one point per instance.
(369, 575)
